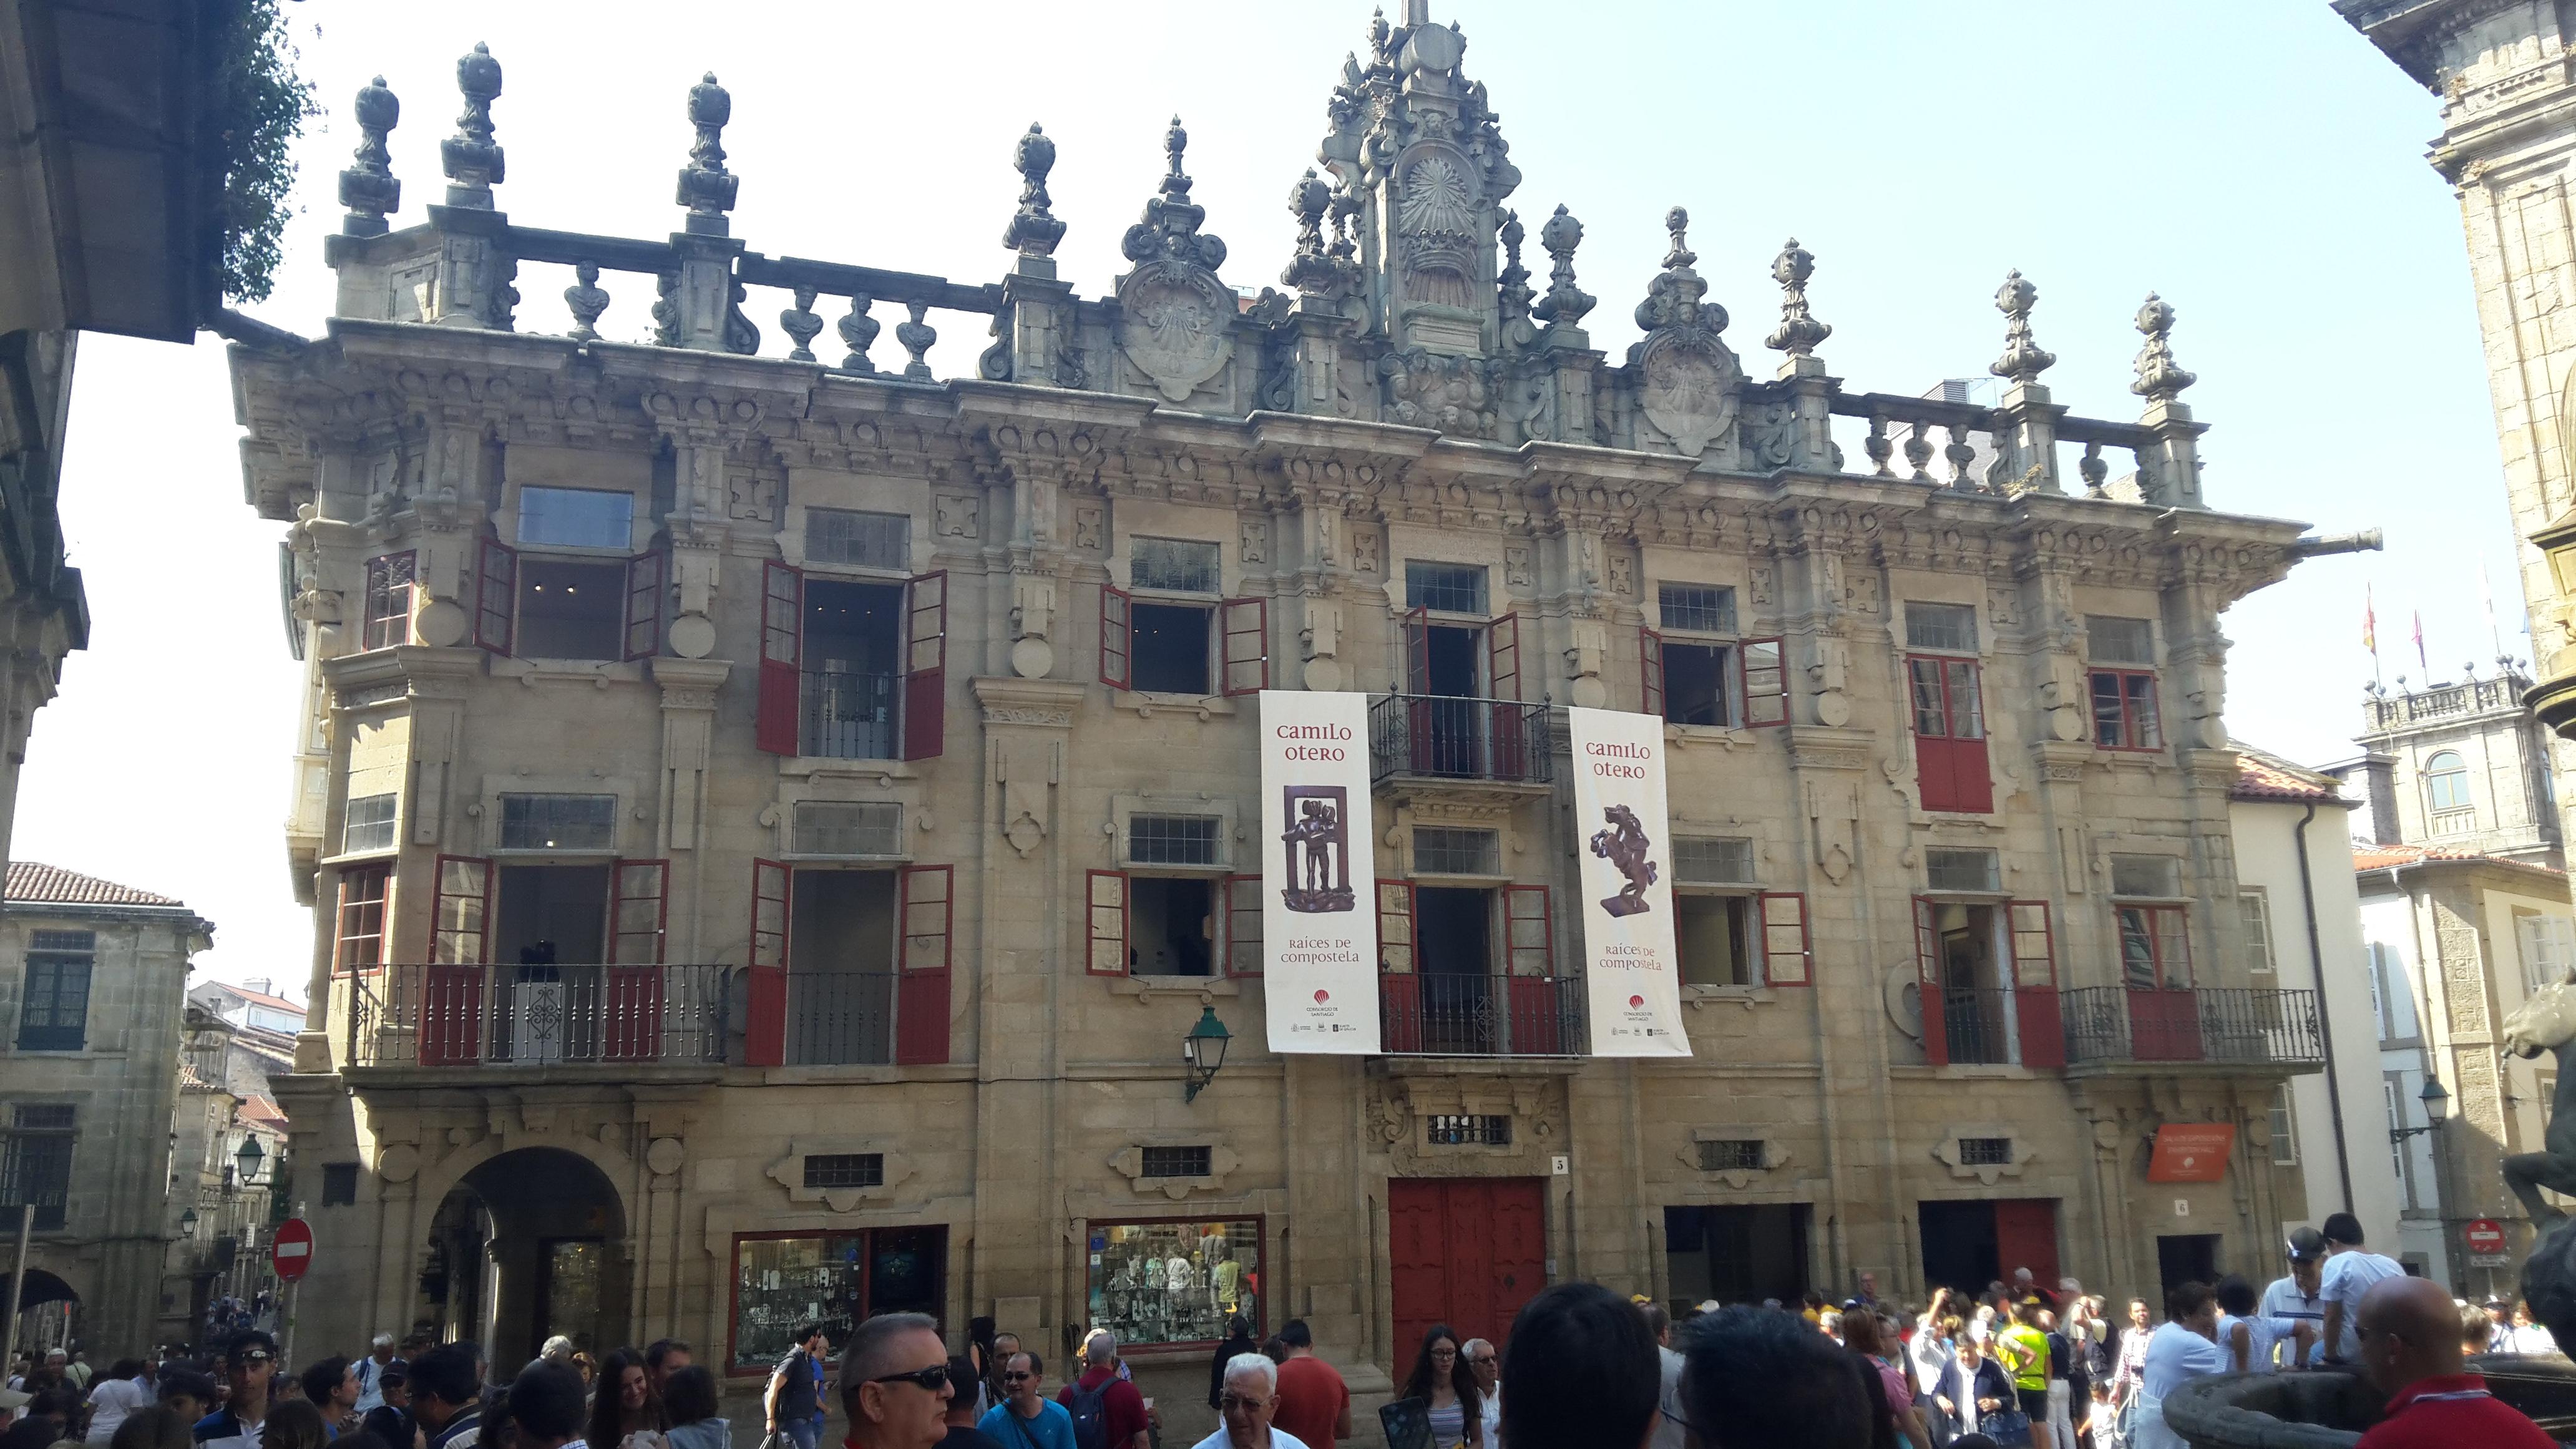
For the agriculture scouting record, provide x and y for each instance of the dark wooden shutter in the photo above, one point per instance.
(782, 638)
(1529, 961)
(1244, 624)
(925, 668)
(1117, 639)
(645, 575)
(2034, 950)
(1503, 658)
(1928, 986)
(453, 979)
(496, 596)
(926, 896)
(637, 912)
(1650, 670)
(764, 1039)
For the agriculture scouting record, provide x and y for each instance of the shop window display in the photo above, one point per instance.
(834, 1279)
(1175, 1282)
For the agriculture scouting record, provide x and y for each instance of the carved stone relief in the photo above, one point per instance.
(958, 515)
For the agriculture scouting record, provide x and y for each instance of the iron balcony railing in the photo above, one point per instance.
(2198, 1024)
(1977, 1022)
(1437, 1015)
(1443, 737)
(845, 716)
(840, 1018)
(551, 1015)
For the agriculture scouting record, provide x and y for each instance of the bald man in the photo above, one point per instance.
(2410, 1347)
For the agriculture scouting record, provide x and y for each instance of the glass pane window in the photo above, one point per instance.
(2285, 1137)
(2548, 949)
(2256, 909)
(53, 1016)
(1719, 860)
(845, 1169)
(1440, 850)
(1700, 608)
(361, 924)
(2110, 640)
(1177, 1162)
(1174, 1282)
(2124, 711)
(1967, 711)
(558, 822)
(1961, 870)
(2446, 781)
(389, 601)
(1948, 628)
(1445, 588)
(2154, 951)
(1173, 840)
(2146, 875)
(576, 518)
(1182, 565)
(860, 540)
(837, 1280)
(368, 824)
(1931, 715)
(36, 1163)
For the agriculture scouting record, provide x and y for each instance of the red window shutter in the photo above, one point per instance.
(1117, 640)
(1417, 652)
(1786, 949)
(764, 1042)
(633, 1030)
(2034, 948)
(1399, 984)
(927, 894)
(496, 596)
(1245, 625)
(1927, 962)
(1243, 904)
(925, 669)
(1766, 684)
(638, 912)
(1503, 658)
(1105, 923)
(782, 647)
(645, 573)
(1537, 1022)
(1972, 782)
(1650, 670)
(451, 1017)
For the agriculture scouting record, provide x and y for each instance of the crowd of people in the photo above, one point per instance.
(2022, 1364)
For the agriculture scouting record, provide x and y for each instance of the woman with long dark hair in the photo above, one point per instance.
(1865, 1337)
(1447, 1387)
(625, 1402)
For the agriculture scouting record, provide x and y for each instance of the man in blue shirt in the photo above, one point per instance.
(1027, 1419)
(249, 1364)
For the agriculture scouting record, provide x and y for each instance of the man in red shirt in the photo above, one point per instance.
(1314, 1403)
(2410, 1347)
(1101, 1397)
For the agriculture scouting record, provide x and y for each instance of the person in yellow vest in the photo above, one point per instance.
(2022, 1348)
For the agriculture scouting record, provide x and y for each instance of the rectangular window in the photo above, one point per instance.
(1169, 1283)
(1944, 628)
(36, 1166)
(2111, 640)
(1713, 935)
(1715, 860)
(576, 518)
(1441, 850)
(360, 928)
(1985, 1152)
(1174, 840)
(2146, 875)
(1445, 588)
(390, 580)
(1177, 1162)
(1170, 648)
(1180, 565)
(54, 1015)
(1731, 1154)
(2285, 1136)
(1766, 684)
(339, 1184)
(858, 540)
(2548, 948)
(2155, 948)
(2256, 909)
(1470, 1130)
(835, 1279)
(368, 824)
(1697, 608)
(2124, 711)
(1961, 870)
(571, 610)
(1697, 680)
(845, 1169)
(843, 827)
(558, 822)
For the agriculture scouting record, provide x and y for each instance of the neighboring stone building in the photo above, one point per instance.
(774, 819)
(93, 984)
(2464, 766)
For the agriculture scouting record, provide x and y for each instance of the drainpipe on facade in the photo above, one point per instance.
(2325, 1011)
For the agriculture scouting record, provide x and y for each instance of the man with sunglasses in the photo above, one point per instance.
(1026, 1418)
(894, 1383)
(2409, 1336)
(249, 1364)
(1250, 1397)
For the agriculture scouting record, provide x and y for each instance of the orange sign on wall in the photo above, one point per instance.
(2192, 1152)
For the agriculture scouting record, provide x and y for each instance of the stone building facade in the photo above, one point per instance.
(93, 979)
(804, 919)
(2464, 766)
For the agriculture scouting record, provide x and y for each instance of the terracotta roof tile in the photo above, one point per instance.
(52, 885)
(2263, 776)
(2384, 857)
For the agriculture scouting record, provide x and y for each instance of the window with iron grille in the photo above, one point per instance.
(861, 540)
(1961, 870)
(1731, 1154)
(36, 1165)
(2109, 640)
(1947, 628)
(1483, 1129)
(339, 1184)
(845, 1169)
(1173, 840)
(1440, 850)
(1701, 608)
(558, 822)
(848, 827)
(2146, 875)
(53, 1016)
(1182, 565)
(1985, 1152)
(1714, 860)
(1177, 1162)
(368, 824)
(1445, 588)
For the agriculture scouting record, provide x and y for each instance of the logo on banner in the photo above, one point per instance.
(1319, 851)
(1624, 846)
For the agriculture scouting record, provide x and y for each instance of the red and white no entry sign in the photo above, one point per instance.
(293, 1250)
(2484, 1235)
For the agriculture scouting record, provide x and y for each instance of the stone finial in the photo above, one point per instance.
(2159, 380)
(706, 188)
(1346, 206)
(1511, 284)
(471, 158)
(1314, 270)
(587, 299)
(2023, 361)
(368, 187)
(1034, 230)
(1673, 298)
(1799, 332)
(1565, 302)
(1381, 41)
(1679, 255)
(1170, 229)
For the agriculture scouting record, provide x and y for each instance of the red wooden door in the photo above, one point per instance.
(764, 1037)
(2026, 1237)
(1467, 1252)
(636, 917)
(2034, 949)
(2155, 963)
(928, 906)
(1950, 736)
(1399, 981)
(782, 653)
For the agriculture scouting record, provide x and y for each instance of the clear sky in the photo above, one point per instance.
(2258, 164)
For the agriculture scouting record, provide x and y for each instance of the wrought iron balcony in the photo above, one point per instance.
(1976, 1022)
(2228, 1025)
(844, 716)
(840, 1018)
(1440, 737)
(537, 1016)
(1437, 1015)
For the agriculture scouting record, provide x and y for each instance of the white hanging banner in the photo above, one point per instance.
(1318, 882)
(1624, 881)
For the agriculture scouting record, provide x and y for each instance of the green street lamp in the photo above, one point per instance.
(249, 1157)
(1204, 1050)
(2437, 1105)
(188, 1223)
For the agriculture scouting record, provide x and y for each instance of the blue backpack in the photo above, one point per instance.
(1090, 1417)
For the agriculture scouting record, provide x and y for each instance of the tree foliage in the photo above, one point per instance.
(258, 108)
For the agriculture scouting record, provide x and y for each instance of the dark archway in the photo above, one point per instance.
(528, 1245)
(42, 1288)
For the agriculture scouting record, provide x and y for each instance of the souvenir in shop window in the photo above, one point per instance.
(1157, 1283)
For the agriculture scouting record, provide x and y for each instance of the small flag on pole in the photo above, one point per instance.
(2419, 645)
(2486, 597)
(2369, 623)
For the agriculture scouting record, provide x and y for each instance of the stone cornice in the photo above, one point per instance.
(1045, 703)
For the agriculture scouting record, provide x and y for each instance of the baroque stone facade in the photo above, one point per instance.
(772, 820)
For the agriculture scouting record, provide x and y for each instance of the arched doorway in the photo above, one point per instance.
(528, 1245)
(47, 1309)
